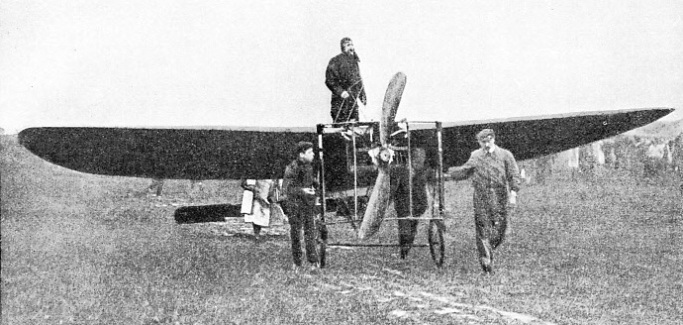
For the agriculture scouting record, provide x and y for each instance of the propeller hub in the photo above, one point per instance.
(386, 155)
(381, 155)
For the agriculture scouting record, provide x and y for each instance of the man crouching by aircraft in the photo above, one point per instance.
(299, 186)
(494, 172)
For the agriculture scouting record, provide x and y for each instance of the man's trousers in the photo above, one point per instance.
(302, 216)
(490, 217)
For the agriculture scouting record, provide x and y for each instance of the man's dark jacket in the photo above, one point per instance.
(343, 74)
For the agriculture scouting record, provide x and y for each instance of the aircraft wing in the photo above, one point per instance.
(202, 154)
(532, 137)
(263, 153)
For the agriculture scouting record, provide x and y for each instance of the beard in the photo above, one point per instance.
(353, 54)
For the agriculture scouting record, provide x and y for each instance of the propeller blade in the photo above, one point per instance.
(378, 203)
(392, 98)
(381, 192)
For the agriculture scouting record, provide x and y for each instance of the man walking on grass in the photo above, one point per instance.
(495, 178)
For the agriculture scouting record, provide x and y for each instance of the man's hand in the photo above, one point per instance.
(345, 94)
(513, 198)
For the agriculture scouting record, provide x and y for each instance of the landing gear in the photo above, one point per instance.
(352, 210)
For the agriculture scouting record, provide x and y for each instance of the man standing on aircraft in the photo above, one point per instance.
(344, 81)
(299, 186)
(495, 178)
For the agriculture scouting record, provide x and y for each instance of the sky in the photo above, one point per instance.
(172, 63)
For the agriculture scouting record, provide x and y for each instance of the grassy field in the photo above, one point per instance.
(87, 249)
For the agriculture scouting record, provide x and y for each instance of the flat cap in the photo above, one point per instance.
(483, 134)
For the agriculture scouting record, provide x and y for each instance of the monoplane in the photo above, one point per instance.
(350, 155)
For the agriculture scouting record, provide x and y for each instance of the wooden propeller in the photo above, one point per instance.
(379, 198)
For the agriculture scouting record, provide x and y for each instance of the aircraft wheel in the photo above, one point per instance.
(322, 244)
(436, 243)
